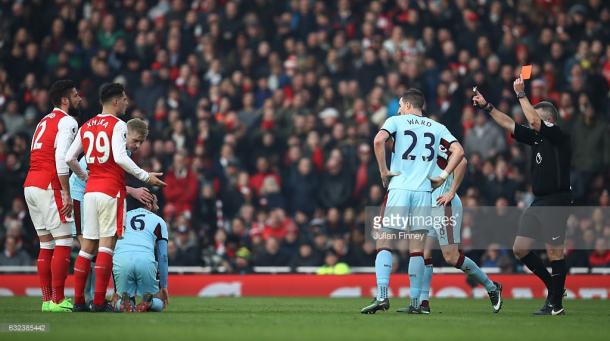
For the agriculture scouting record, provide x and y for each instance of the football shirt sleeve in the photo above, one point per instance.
(66, 132)
(390, 126)
(447, 136)
(119, 153)
(76, 148)
(524, 135)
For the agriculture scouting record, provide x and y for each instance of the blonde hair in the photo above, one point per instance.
(138, 125)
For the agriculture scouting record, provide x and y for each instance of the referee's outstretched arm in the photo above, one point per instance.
(528, 109)
(501, 118)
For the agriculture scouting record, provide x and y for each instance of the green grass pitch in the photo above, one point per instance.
(314, 319)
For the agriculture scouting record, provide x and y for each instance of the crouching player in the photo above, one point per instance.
(448, 232)
(134, 266)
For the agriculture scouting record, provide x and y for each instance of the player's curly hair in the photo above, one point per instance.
(60, 89)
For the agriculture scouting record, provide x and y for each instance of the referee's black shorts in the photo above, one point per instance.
(545, 220)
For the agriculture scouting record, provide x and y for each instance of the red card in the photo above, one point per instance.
(526, 72)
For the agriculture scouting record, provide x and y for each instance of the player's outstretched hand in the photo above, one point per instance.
(66, 200)
(519, 85)
(436, 181)
(445, 199)
(143, 195)
(154, 179)
(163, 294)
(386, 177)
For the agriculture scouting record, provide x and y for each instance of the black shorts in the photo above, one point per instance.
(545, 220)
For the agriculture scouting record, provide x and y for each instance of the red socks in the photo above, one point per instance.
(103, 271)
(82, 266)
(59, 267)
(44, 272)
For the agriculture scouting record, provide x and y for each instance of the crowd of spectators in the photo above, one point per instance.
(262, 112)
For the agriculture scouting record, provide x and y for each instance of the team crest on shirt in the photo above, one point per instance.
(538, 158)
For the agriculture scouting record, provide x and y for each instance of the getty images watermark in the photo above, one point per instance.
(397, 226)
(487, 227)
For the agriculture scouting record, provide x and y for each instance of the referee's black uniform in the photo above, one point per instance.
(550, 166)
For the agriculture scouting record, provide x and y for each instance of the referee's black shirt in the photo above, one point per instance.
(551, 155)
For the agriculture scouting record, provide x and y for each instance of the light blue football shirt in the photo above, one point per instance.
(77, 186)
(142, 230)
(416, 144)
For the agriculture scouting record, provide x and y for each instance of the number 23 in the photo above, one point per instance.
(429, 146)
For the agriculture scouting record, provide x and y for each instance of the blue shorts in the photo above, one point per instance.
(448, 223)
(405, 203)
(135, 274)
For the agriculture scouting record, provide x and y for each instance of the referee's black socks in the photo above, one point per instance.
(534, 263)
(560, 271)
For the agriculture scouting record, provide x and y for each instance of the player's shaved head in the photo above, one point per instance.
(547, 111)
(60, 89)
(110, 91)
(138, 126)
(415, 97)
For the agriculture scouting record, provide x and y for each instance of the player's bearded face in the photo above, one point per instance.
(75, 102)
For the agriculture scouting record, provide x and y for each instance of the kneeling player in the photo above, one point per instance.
(134, 266)
(449, 208)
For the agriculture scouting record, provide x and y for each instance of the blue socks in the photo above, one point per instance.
(472, 269)
(416, 276)
(383, 268)
(427, 280)
(157, 305)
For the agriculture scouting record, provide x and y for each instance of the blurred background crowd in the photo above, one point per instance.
(262, 112)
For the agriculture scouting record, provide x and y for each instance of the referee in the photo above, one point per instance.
(550, 166)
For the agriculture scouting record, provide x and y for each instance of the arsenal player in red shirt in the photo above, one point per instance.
(103, 140)
(47, 193)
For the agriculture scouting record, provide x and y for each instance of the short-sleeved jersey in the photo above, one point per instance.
(54, 134)
(551, 157)
(105, 175)
(442, 159)
(77, 186)
(142, 230)
(416, 142)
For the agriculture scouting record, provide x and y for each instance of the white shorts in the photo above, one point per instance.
(103, 216)
(44, 206)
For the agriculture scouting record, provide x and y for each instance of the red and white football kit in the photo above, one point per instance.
(104, 141)
(52, 138)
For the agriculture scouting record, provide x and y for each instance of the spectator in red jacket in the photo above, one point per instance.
(262, 171)
(182, 187)
(600, 257)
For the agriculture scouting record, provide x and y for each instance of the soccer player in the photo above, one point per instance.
(447, 229)
(103, 138)
(134, 266)
(416, 140)
(47, 193)
(137, 131)
(550, 166)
